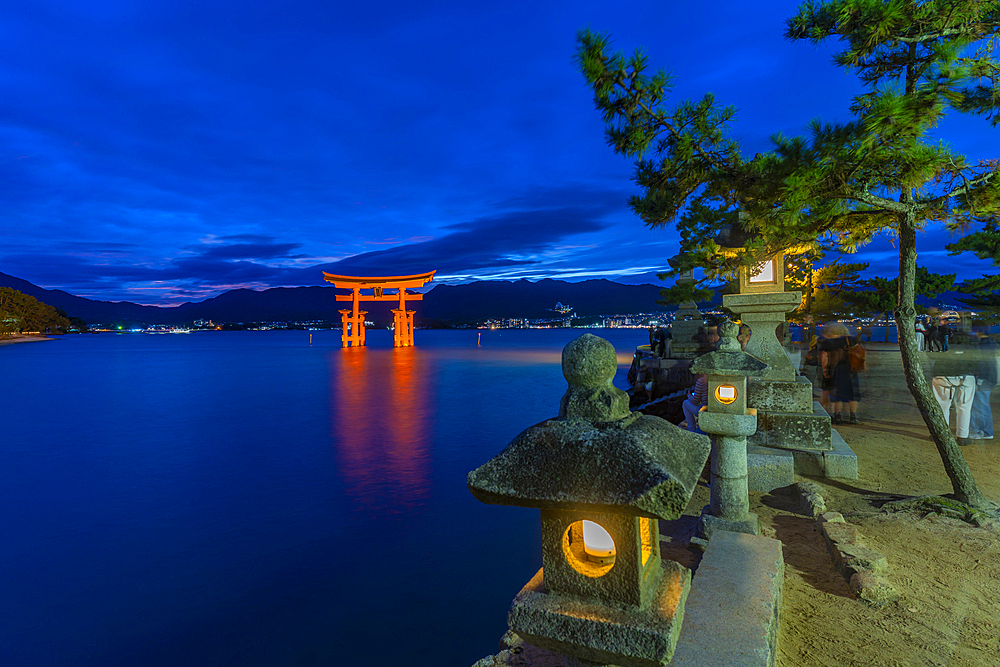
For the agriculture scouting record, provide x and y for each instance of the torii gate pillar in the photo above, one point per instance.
(353, 320)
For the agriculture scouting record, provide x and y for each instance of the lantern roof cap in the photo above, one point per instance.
(729, 359)
(734, 235)
(678, 260)
(641, 465)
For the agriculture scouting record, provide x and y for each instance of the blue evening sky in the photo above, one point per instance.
(162, 152)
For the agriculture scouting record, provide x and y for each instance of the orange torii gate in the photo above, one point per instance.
(353, 320)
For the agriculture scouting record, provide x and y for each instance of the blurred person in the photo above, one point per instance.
(661, 344)
(713, 336)
(697, 398)
(981, 419)
(700, 339)
(944, 332)
(810, 361)
(931, 342)
(953, 379)
(783, 332)
(920, 330)
(841, 385)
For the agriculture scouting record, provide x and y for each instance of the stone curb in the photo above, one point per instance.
(864, 569)
(732, 614)
(811, 501)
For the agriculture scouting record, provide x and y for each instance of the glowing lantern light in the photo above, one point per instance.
(765, 273)
(597, 543)
(725, 393)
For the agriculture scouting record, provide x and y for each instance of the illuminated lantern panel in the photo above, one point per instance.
(725, 393)
(646, 538)
(764, 274)
(597, 543)
(588, 548)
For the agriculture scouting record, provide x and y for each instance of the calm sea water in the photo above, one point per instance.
(249, 498)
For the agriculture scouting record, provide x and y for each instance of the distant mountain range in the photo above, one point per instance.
(471, 302)
(468, 303)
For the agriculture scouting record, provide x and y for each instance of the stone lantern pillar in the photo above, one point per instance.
(728, 421)
(602, 477)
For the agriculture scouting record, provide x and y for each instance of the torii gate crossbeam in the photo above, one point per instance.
(353, 319)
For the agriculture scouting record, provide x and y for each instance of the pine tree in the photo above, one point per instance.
(981, 292)
(826, 288)
(843, 183)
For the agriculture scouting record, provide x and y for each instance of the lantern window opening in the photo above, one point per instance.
(763, 273)
(584, 554)
(725, 394)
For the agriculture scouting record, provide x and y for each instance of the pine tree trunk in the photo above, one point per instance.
(954, 463)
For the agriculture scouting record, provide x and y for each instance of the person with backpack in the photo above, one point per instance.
(839, 378)
(810, 358)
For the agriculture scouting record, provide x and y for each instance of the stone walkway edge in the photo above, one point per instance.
(864, 569)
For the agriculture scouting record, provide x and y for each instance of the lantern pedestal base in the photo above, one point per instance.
(709, 523)
(599, 634)
(794, 430)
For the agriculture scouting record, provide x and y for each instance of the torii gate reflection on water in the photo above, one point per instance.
(353, 320)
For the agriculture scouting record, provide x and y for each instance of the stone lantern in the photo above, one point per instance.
(787, 416)
(602, 477)
(762, 302)
(728, 421)
(687, 319)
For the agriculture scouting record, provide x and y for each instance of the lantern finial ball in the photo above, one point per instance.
(589, 361)
(728, 331)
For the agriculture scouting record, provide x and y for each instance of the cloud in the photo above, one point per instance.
(517, 238)
(252, 251)
(528, 233)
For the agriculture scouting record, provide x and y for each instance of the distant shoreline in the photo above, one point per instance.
(8, 340)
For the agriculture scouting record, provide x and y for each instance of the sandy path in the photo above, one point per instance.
(946, 571)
